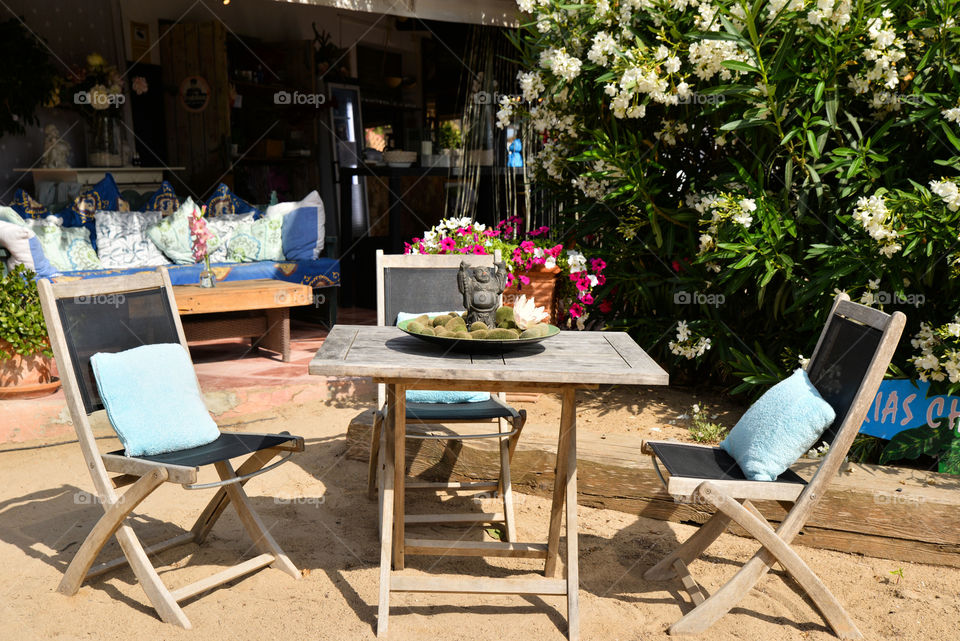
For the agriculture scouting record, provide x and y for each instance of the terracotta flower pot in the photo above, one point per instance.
(26, 377)
(542, 288)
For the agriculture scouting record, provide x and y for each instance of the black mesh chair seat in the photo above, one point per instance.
(480, 411)
(229, 445)
(707, 463)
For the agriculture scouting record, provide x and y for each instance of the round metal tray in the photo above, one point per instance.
(481, 346)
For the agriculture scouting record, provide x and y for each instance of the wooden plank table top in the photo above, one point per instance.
(238, 295)
(579, 358)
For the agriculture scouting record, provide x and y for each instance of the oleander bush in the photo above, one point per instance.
(737, 164)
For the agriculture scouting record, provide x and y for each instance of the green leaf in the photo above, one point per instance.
(917, 442)
(736, 65)
(950, 461)
(818, 92)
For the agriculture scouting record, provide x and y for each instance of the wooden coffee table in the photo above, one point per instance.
(254, 309)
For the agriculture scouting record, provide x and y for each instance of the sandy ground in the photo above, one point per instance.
(317, 510)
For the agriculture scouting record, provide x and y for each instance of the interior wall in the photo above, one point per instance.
(74, 30)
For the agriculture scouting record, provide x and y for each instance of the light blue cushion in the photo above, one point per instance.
(303, 227)
(437, 396)
(153, 400)
(779, 428)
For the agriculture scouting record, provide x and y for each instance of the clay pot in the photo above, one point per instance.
(542, 288)
(26, 377)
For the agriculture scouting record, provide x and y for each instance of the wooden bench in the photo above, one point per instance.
(254, 309)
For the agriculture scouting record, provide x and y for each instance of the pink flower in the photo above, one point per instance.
(510, 279)
(527, 246)
(448, 244)
(555, 250)
(583, 284)
(587, 298)
(478, 249)
(524, 280)
(606, 307)
(539, 232)
(576, 310)
(139, 85)
(597, 264)
(491, 233)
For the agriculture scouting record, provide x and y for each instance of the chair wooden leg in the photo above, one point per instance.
(559, 489)
(506, 488)
(214, 509)
(158, 594)
(252, 523)
(374, 464)
(690, 549)
(109, 523)
(774, 549)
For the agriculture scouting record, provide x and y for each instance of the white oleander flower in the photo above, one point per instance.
(948, 191)
(952, 114)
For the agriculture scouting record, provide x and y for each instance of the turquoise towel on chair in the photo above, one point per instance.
(153, 400)
(437, 396)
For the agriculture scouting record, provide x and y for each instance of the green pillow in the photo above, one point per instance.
(256, 240)
(172, 235)
(67, 248)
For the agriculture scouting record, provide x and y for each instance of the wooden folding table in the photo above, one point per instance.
(562, 364)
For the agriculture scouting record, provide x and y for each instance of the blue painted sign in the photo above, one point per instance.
(901, 405)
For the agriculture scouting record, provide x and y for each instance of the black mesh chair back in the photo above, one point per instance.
(839, 368)
(415, 289)
(112, 323)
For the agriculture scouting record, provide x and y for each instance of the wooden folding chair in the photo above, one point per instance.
(428, 283)
(118, 313)
(851, 357)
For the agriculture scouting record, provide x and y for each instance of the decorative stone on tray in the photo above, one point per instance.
(481, 288)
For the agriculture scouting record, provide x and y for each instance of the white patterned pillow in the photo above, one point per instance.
(225, 226)
(67, 248)
(256, 240)
(122, 239)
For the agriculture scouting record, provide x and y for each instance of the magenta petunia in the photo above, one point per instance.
(448, 244)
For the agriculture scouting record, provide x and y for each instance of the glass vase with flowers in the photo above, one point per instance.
(201, 235)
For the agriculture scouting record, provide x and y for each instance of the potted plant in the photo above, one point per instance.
(26, 366)
(560, 279)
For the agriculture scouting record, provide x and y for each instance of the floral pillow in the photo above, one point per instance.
(225, 227)
(67, 248)
(28, 208)
(223, 201)
(163, 200)
(103, 196)
(122, 239)
(256, 240)
(172, 235)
